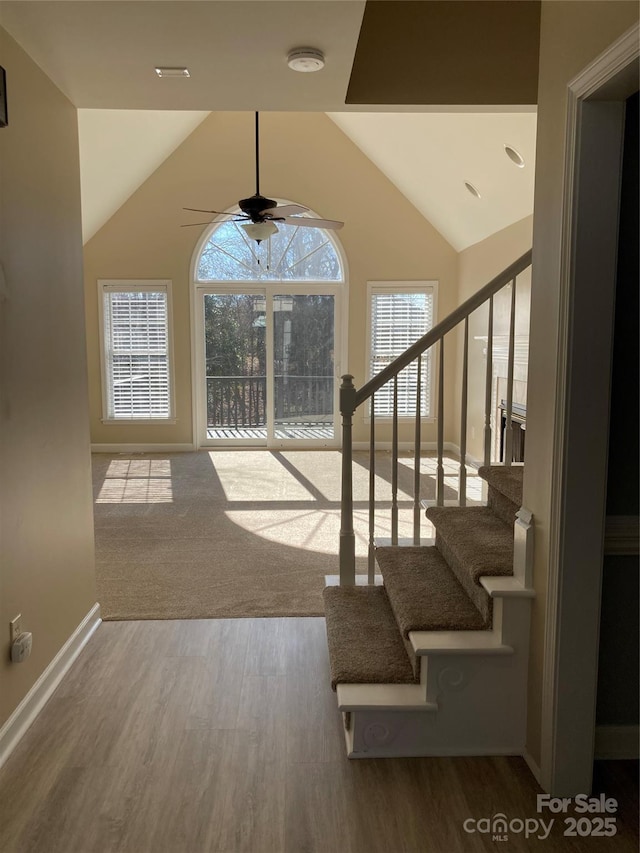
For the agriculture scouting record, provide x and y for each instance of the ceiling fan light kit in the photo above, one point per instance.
(305, 59)
(259, 231)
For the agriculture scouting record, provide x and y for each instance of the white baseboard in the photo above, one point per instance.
(615, 742)
(448, 446)
(27, 711)
(142, 448)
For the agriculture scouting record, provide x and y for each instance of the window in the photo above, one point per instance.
(399, 314)
(136, 350)
(292, 254)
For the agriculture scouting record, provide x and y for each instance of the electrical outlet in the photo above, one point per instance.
(15, 627)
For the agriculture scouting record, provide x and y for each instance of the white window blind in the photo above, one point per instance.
(398, 319)
(136, 352)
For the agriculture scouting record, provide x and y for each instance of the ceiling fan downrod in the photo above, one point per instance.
(257, 154)
(259, 214)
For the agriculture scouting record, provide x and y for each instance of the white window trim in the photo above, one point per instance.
(140, 286)
(425, 286)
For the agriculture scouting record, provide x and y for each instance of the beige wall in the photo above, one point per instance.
(46, 519)
(306, 158)
(572, 34)
(477, 265)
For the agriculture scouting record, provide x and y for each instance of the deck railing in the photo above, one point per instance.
(351, 399)
(241, 401)
(236, 401)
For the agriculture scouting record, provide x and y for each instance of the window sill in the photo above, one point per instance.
(128, 421)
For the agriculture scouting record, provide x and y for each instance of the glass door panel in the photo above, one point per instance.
(303, 367)
(235, 366)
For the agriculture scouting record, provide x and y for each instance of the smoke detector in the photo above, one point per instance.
(306, 59)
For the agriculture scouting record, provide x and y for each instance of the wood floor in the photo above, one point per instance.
(222, 736)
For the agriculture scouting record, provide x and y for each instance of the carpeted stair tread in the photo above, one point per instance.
(480, 542)
(365, 646)
(424, 593)
(506, 480)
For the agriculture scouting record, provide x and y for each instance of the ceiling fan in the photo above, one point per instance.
(259, 214)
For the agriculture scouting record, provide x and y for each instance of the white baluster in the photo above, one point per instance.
(394, 466)
(372, 493)
(462, 485)
(417, 509)
(440, 470)
(508, 437)
(488, 388)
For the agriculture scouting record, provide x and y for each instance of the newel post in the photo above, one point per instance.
(347, 536)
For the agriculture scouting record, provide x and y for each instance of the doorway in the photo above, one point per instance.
(596, 112)
(269, 320)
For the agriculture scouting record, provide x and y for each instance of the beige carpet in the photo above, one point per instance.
(365, 646)
(232, 533)
(425, 594)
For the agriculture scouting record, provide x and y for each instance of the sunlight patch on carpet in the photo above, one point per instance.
(148, 490)
(146, 481)
(319, 530)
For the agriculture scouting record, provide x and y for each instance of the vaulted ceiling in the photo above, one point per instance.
(461, 75)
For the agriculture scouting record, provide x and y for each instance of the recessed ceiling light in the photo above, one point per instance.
(472, 189)
(514, 156)
(163, 71)
(306, 59)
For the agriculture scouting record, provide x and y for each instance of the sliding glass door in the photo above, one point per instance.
(235, 368)
(268, 366)
(303, 367)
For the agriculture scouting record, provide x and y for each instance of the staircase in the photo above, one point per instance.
(433, 661)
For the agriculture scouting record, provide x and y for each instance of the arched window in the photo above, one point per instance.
(293, 254)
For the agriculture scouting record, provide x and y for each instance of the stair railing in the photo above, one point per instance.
(352, 398)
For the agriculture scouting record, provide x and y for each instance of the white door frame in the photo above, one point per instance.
(341, 329)
(595, 127)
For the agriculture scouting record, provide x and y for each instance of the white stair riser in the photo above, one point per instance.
(475, 703)
(481, 711)
(510, 627)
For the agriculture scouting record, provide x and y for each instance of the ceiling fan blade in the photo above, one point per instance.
(216, 212)
(306, 222)
(193, 224)
(284, 210)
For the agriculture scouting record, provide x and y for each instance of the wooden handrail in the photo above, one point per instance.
(434, 335)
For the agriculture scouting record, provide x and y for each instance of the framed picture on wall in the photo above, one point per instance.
(4, 119)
